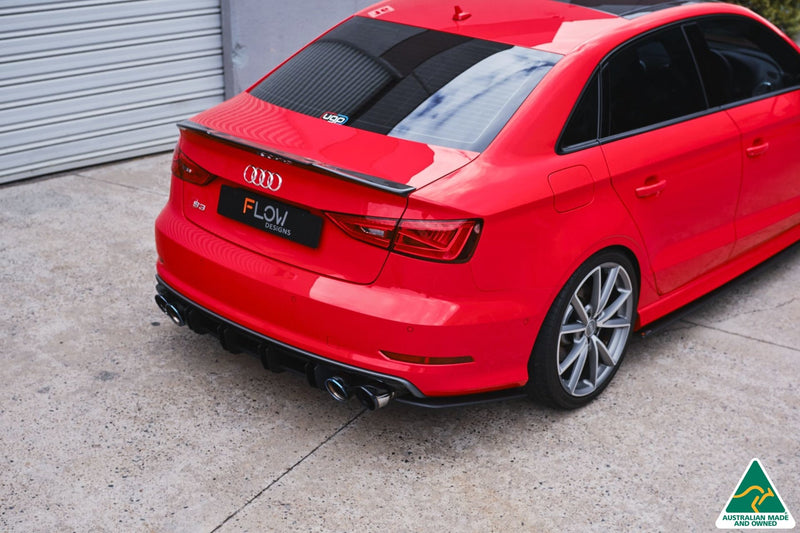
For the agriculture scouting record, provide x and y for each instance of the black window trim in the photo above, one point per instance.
(597, 76)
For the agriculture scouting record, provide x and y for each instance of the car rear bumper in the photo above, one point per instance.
(252, 302)
(277, 357)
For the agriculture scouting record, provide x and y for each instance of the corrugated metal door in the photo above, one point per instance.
(87, 81)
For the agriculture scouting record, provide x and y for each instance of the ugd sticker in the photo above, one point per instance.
(755, 503)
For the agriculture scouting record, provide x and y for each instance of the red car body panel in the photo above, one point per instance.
(694, 204)
(668, 194)
(769, 202)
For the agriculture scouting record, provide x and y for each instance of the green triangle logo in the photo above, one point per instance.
(755, 493)
(755, 503)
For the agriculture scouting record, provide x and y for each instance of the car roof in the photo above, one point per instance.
(553, 25)
(628, 8)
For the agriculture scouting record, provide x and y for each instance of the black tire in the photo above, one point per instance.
(585, 334)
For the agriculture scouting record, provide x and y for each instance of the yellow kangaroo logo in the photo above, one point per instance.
(759, 499)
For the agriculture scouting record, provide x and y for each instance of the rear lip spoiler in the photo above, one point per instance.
(375, 182)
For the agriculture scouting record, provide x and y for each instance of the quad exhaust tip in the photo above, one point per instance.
(373, 397)
(170, 310)
(369, 396)
(338, 389)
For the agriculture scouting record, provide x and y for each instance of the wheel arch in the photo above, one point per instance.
(638, 258)
(544, 372)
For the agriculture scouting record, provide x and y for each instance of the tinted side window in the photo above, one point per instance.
(582, 125)
(741, 58)
(652, 80)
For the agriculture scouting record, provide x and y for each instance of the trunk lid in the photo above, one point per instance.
(277, 172)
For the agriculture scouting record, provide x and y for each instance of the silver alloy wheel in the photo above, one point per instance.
(594, 329)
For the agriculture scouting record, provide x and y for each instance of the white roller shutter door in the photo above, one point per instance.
(88, 81)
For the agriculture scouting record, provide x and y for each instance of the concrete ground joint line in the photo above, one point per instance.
(124, 186)
(761, 310)
(288, 471)
(683, 324)
(755, 339)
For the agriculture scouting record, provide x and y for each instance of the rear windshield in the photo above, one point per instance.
(406, 82)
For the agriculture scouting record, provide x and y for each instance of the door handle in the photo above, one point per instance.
(654, 189)
(759, 148)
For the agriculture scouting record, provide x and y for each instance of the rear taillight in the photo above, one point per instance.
(440, 240)
(187, 170)
(373, 230)
(435, 240)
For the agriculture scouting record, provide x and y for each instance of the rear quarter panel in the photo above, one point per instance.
(527, 244)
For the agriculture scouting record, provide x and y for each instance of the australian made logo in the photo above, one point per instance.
(755, 503)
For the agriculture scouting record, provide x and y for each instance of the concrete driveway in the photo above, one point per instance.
(113, 419)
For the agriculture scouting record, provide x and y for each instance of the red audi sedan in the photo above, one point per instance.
(442, 205)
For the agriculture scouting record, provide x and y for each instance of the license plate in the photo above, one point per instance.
(270, 215)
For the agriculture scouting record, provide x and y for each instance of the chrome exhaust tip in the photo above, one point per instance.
(170, 310)
(162, 303)
(373, 397)
(338, 389)
(175, 315)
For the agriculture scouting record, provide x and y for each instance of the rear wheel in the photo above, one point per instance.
(584, 336)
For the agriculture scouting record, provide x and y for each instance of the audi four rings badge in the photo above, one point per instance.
(265, 179)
